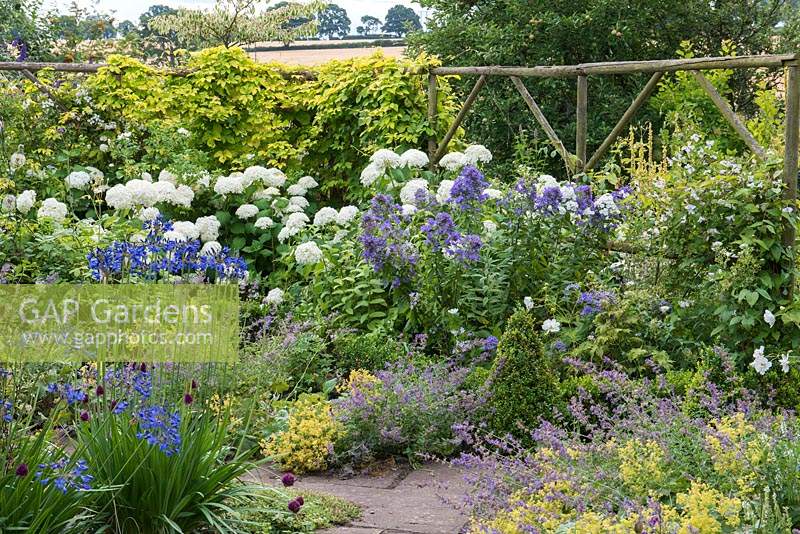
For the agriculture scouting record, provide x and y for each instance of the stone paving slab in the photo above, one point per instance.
(400, 501)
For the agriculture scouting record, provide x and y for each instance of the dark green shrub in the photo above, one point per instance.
(371, 351)
(525, 384)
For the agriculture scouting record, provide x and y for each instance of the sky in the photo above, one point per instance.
(131, 9)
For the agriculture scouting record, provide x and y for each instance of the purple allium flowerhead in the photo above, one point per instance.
(288, 479)
(85, 416)
(100, 391)
(194, 384)
(22, 470)
(188, 399)
(294, 506)
(468, 189)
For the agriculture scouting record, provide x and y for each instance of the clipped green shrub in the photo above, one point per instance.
(371, 351)
(525, 382)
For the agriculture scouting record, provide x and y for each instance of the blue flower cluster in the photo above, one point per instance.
(468, 189)
(63, 478)
(6, 410)
(73, 395)
(442, 236)
(385, 239)
(157, 256)
(159, 427)
(550, 198)
(21, 47)
(594, 301)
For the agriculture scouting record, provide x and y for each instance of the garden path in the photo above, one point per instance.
(399, 500)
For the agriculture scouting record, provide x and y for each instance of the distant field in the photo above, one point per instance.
(292, 56)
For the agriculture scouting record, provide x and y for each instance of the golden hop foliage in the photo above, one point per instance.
(309, 436)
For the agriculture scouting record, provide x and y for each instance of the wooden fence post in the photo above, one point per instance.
(433, 98)
(791, 142)
(581, 121)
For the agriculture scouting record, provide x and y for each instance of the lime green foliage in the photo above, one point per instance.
(239, 109)
(525, 384)
(319, 511)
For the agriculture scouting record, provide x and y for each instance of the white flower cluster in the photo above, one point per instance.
(379, 163)
(208, 227)
(472, 155)
(26, 200)
(274, 297)
(307, 253)
(247, 211)
(78, 179)
(17, 160)
(140, 192)
(52, 209)
(294, 223)
(408, 194)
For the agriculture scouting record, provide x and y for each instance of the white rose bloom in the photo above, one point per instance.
(300, 202)
(528, 302)
(26, 200)
(493, 193)
(346, 214)
(408, 209)
(166, 176)
(385, 159)
(52, 209)
(17, 160)
(296, 190)
(210, 248)
(274, 178)
(408, 194)
(489, 227)
(174, 235)
(208, 227)
(477, 153)
(118, 197)
(760, 363)
(769, 318)
(452, 161)
(264, 222)
(227, 185)
(308, 182)
(370, 174)
(274, 297)
(413, 159)
(443, 193)
(308, 253)
(187, 228)
(247, 211)
(149, 214)
(325, 216)
(551, 326)
(78, 179)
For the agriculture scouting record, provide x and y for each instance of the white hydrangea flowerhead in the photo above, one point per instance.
(52, 209)
(263, 223)
(17, 160)
(414, 159)
(346, 215)
(183, 196)
(385, 159)
(370, 174)
(166, 176)
(292, 208)
(294, 223)
(148, 193)
(229, 185)
(489, 227)
(300, 202)
(118, 197)
(284, 234)
(256, 173)
(274, 178)
(78, 179)
(475, 154)
(9, 203)
(408, 194)
(187, 228)
(162, 192)
(408, 209)
(208, 227)
(453, 161)
(325, 216)
(174, 235)
(308, 182)
(443, 192)
(149, 214)
(493, 194)
(308, 253)
(274, 297)
(95, 174)
(210, 248)
(269, 192)
(26, 200)
(296, 190)
(137, 238)
(247, 211)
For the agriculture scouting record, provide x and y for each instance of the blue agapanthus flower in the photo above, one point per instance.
(6, 411)
(63, 477)
(160, 428)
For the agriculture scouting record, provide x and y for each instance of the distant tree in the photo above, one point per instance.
(125, 27)
(371, 24)
(291, 23)
(156, 42)
(237, 22)
(401, 20)
(333, 21)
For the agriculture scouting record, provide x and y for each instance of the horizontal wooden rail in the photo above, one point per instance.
(627, 67)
